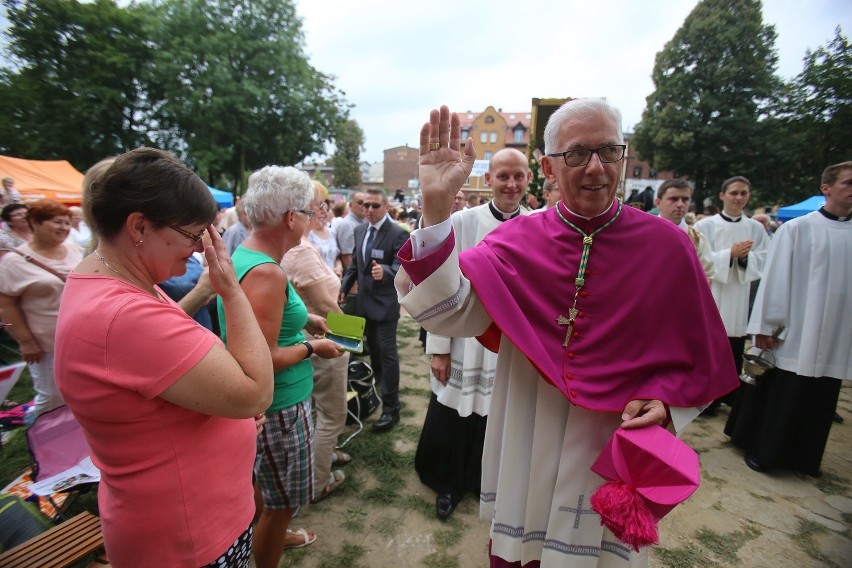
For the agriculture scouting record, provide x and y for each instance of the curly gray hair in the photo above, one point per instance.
(274, 190)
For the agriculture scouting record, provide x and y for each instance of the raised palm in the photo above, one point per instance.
(444, 170)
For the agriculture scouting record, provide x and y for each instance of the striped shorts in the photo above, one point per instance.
(284, 467)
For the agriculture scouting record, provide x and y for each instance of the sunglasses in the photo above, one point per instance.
(373, 205)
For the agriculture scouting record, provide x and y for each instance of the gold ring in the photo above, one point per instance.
(434, 146)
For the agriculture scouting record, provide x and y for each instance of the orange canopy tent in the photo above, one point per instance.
(44, 179)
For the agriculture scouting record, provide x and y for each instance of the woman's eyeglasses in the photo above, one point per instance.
(191, 236)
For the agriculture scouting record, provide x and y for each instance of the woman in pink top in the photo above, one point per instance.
(167, 410)
(31, 281)
(318, 287)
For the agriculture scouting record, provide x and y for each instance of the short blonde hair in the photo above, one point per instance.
(320, 191)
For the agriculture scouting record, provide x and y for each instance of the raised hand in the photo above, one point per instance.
(220, 270)
(443, 167)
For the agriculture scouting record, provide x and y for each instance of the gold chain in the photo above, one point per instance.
(125, 276)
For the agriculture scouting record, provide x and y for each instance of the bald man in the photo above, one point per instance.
(449, 454)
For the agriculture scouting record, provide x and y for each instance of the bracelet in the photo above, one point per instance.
(310, 349)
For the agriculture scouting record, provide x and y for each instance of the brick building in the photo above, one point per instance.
(400, 166)
(638, 174)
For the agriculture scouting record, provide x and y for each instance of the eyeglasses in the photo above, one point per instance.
(582, 156)
(373, 205)
(308, 212)
(191, 236)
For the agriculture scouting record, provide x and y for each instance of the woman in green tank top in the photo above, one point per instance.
(276, 205)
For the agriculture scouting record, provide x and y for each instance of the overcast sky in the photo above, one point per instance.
(397, 60)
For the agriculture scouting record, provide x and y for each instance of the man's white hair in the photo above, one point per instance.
(578, 108)
(274, 190)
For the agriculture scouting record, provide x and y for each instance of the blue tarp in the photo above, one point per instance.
(799, 209)
(223, 198)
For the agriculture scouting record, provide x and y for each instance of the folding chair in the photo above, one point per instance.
(57, 447)
(9, 352)
(9, 375)
(362, 398)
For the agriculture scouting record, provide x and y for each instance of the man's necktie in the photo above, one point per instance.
(369, 248)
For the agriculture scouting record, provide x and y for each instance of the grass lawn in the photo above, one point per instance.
(14, 457)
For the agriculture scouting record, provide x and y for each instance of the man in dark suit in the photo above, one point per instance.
(374, 264)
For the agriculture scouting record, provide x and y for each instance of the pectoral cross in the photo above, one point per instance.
(569, 321)
(580, 281)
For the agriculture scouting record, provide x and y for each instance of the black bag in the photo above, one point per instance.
(366, 401)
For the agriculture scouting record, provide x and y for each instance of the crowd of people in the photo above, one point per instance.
(189, 342)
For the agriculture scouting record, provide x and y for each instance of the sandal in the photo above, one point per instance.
(340, 458)
(331, 487)
(10, 404)
(303, 534)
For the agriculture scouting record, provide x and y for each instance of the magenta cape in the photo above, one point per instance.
(648, 327)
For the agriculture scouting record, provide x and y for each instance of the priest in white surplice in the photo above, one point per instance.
(784, 421)
(577, 360)
(739, 246)
(449, 454)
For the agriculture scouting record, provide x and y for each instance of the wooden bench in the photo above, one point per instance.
(61, 546)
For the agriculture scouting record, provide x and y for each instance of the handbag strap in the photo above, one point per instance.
(37, 262)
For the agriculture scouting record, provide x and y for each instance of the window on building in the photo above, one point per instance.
(637, 171)
(483, 136)
(487, 155)
(529, 116)
(519, 135)
(493, 137)
(511, 117)
(470, 116)
(489, 119)
(652, 173)
(465, 132)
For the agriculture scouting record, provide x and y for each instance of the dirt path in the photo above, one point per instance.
(384, 517)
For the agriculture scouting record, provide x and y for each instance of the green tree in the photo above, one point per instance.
(537, 181)
(714, 81)
(346, 160)
(816, 118)
(236, 91)
(70, 86)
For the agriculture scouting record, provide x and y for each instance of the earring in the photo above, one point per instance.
(139, 242)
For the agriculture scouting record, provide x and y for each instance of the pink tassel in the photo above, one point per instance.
(624, 513)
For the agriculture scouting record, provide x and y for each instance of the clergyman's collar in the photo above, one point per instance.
(500, 215)
(834, 217)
